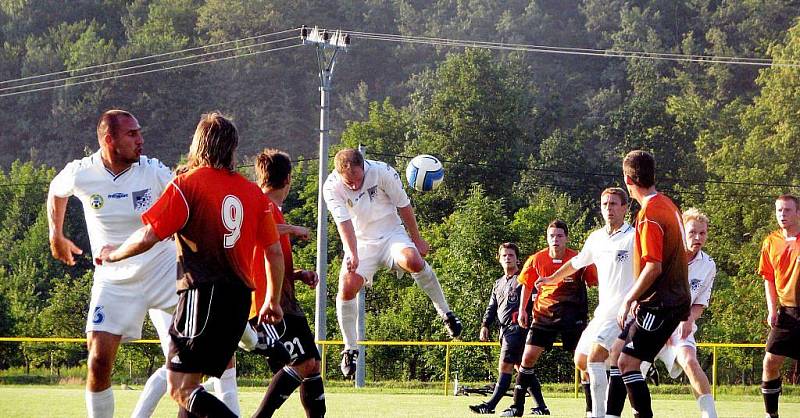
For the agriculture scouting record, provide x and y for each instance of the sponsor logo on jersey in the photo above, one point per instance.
(117, 195)
(96, 201)
(142, 199)
(373, 191)
(98, 316)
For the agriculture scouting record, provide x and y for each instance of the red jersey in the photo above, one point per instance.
(219, 219)
(289, 302)
(660, 238)
(780, 262)
(560, 301)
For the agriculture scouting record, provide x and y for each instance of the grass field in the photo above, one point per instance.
(67, 401)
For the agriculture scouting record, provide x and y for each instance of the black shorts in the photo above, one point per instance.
(646, 335)
(296, 336)
(784, 337)
(544, 337)
(207, 326)
(512, 344)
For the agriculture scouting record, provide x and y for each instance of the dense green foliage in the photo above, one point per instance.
(525, 137)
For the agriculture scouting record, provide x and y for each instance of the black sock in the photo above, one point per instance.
(500, 388)
(638, 393)
(283, 383)
(616, 393)
(312, 395)
(535, 389)
(204, 404)
(587, 391)
(524, 378)
(771, 390)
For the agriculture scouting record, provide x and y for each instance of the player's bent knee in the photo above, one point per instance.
(349, 286)
(307, 367)
(772, 362)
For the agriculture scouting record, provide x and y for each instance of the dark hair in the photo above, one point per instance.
(214, 143)
(616, 191)
(558, 223)
(640, 166)
(789, 197)
(109, 122)
(346, 158)
(273, 168)
(509, 246)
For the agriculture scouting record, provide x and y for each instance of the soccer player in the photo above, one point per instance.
(610, 249)
(503, 308)
(561, 307)
(223, 227)
(274, 172)
(660, 297)
(116, 185)
(370, 207)
(680, 353)
(780, 256)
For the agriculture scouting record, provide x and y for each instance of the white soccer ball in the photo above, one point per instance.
(424, 172)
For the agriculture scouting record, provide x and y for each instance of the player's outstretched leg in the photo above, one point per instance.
(427, 281)
(283, 383)
(350, 283)
(312, 396)
(500, 388)
(152, 392)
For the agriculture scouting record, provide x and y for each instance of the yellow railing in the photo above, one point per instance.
(447, 344)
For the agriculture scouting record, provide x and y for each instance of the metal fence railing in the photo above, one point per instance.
(449, 345)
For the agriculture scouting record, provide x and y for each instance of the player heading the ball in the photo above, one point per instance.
(378, 229)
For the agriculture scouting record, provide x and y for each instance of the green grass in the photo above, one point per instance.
(67, 401)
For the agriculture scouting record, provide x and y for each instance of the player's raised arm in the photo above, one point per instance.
(61, 247)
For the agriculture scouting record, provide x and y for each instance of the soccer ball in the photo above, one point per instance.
(424, 172)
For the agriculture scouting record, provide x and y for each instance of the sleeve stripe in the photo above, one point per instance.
(185, 202)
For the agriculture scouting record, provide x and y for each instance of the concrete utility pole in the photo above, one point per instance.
(324, 41)
(361, 371)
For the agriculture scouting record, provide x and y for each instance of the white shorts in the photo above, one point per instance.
(119, 307)
(382, 253)
(669, 353)
(601, 330)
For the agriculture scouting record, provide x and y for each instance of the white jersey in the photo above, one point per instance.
(372, 208)
(702, 271)
(113, 205)
(612, 254)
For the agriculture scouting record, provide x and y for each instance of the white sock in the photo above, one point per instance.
(644, 367)
(152, 392)
(100, 404)
(706, 404)
(225, 388)
(347, 313)
(598, 383)
(427, 281)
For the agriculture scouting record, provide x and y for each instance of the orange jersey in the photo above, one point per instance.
(289, 302)
(560, 301)
(779, 263)
(219, 220)
(660, 238)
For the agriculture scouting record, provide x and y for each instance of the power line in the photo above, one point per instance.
(607, 53)
(146, 57)
(64, 79)
(151, 71)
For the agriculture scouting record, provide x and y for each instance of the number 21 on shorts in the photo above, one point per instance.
(232, 215)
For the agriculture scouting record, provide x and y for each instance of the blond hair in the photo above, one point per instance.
(346, 158)
(214, 143)
(694, 214)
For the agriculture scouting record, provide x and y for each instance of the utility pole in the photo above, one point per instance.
(325, 41)
(361, 364)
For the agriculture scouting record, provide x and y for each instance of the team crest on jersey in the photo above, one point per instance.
(372, 192)
(622, 256)
(96, 201)
(695, 283)
(142, 199)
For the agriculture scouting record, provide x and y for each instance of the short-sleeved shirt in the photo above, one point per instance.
(612, 254)
(372, 208)
(113, 205)
(660, 238)
(702, 271)
(560, 301)
(780, 257)
(504, 302)
(219, 218)
(289, 303)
